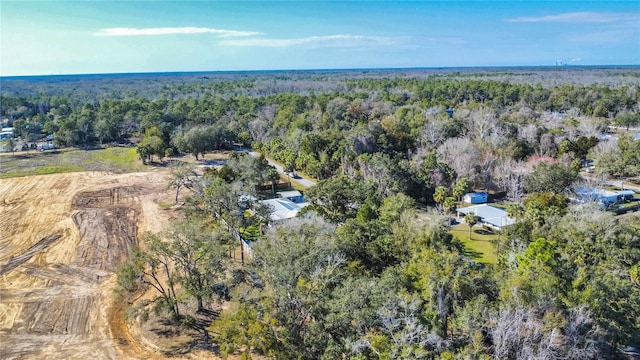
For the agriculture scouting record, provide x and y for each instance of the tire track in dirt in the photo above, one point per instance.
(64, 309)
(16, 261)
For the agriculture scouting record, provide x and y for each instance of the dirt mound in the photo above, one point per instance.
(119, 195)
(64, 237)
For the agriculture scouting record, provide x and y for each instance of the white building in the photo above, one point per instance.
(283, 208)
(7, 133)
(489, 215)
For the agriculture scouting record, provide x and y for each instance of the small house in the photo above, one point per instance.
(7, 133)
(476, 197)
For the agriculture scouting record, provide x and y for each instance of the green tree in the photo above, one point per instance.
(627, 119)
(251, 171)
(198, 257)
(537, 275)
(107, 127)
(10, 145)
(471, 219)
(244, 328)
(152, 144)
(634, 273)
(449, 205)
(445, 282)
(620, 159)
(515, 211)
(541, 206)
(338, 197)
(299, 262)
(440, 195)
(550, 178)
(393, 207)
(274, 176)
(151, 267)
(461, 187)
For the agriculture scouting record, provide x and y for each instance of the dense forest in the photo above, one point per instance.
(359, 275)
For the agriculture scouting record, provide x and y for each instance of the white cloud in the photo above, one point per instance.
(579, 17)
(576, 60)
(343, 40)
(172, 31)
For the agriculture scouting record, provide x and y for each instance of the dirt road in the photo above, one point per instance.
(61, 238)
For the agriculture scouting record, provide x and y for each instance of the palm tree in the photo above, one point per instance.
(274, 177)
(515, 211)
(461, 187)
(440, 195)
(471, 220)
(449, 204)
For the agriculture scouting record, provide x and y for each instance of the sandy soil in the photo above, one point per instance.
(61, 238)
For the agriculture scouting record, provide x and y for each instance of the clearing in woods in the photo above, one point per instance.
(61, 240)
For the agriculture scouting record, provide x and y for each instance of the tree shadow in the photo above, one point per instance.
(470, 253)
(483, 232)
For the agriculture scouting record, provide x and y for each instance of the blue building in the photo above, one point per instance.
(476, 197)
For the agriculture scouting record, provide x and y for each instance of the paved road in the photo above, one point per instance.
(616, 183)
(306, 182)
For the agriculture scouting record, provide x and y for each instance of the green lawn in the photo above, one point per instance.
(116, 159)
(481, 247)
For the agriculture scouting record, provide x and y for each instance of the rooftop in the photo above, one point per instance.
(489, 214)
(292, 193)
(283, 208)
(477, 193)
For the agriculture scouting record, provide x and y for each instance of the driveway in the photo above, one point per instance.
(616, 183)
(306, 182)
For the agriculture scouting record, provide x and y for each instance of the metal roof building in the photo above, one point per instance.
(490, 215)
(283, 208)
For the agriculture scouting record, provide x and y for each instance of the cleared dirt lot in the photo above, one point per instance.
(61, 238)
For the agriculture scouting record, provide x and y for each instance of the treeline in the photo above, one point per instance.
(410, 128)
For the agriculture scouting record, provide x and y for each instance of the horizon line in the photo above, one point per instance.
(185, 72)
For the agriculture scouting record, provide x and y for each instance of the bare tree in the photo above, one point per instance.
(515, 334)
(461, 155)
(498, 137)
(509, 177)
(432, 134)
(528, 133)
(590, 127)
(522, 333)
(399, 323)
(482, 123)
(258, 129)
(181, 176)
(581, 336)
(547, 145)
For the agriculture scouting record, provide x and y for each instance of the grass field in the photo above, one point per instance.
(116, 159)
(481, 247)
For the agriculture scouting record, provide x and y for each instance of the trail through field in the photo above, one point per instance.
(61, 240)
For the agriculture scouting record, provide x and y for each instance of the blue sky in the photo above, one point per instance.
(80, 37)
